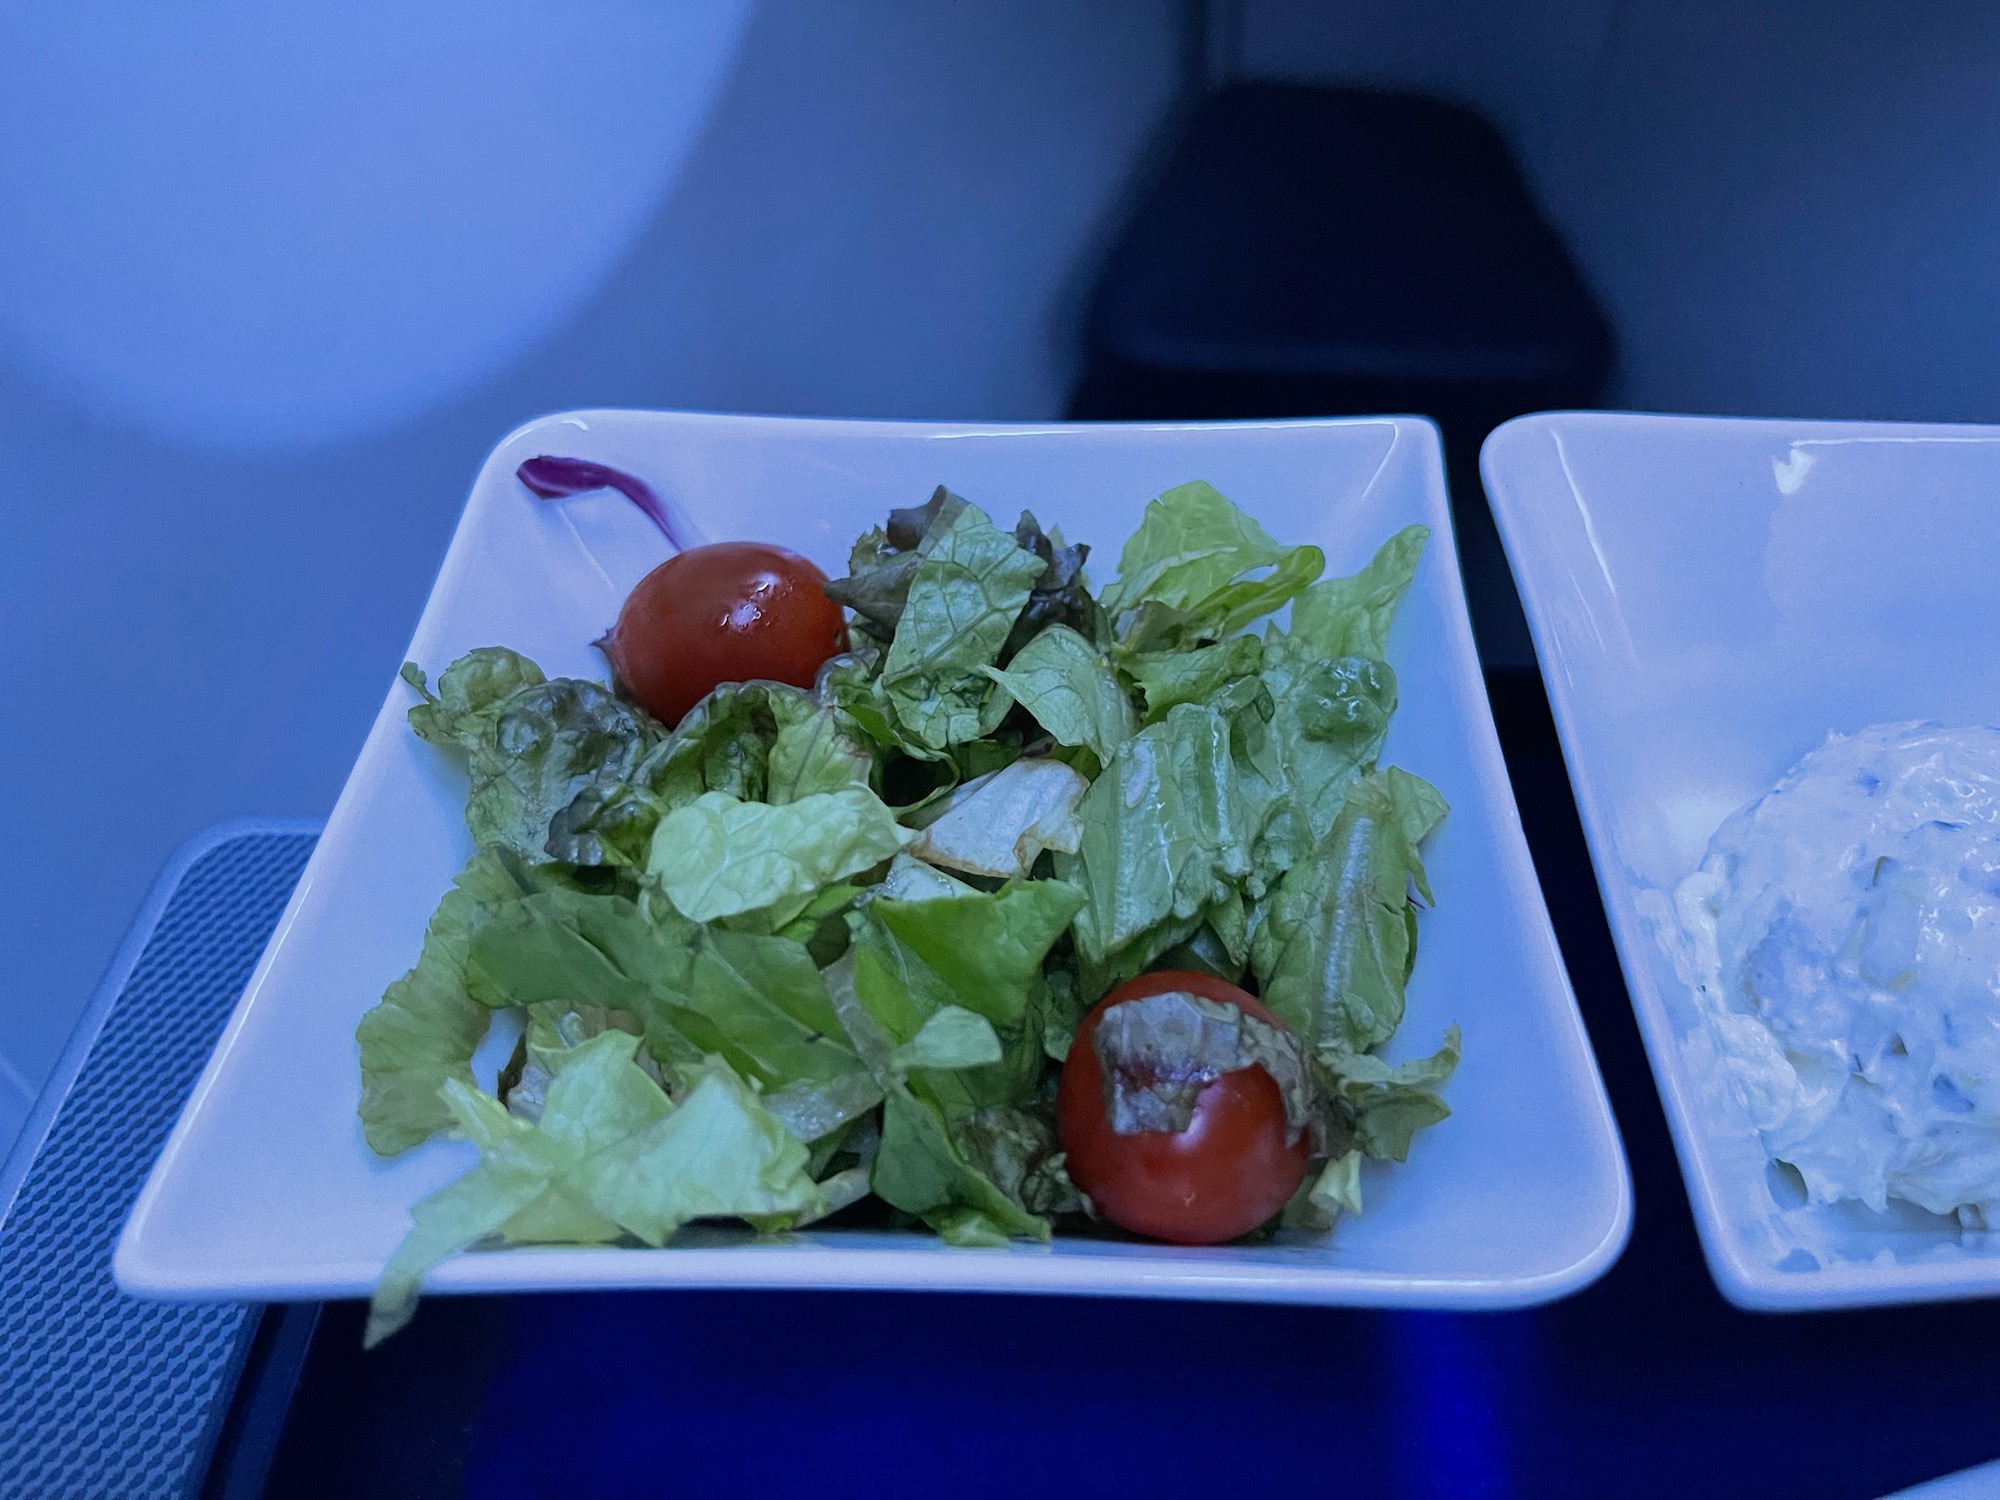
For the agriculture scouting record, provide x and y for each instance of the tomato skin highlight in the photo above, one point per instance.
(728, 612)
(1227, 1173)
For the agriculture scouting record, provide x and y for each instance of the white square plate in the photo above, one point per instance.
(1708, 598)
(266, 1189)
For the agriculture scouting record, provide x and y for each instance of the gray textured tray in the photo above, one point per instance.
(102, 1395)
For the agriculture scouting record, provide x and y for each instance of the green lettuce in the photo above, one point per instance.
(1324, 1196)
(1015, 1148)
(756, 1001)
(553, 1031)
(598, 1098)
(529, 749)
(913, 880)
(815, 1110)
(469, 689)
(609, 1156)
(1065, 682)
(1335, 950)
(1328, 721)
(718, 1154)
(913, 962)
(721, 857)
(426, 1027)
(756, 741)
(1169, 677)
(1181, 577)
(818, 753)
(851, 684)
(1379, 1105)
(964, 598)
(725, 743)
(1191, 541)
(1001, 824)
(1237, 604)
(1166, 833)
(608, 824)
(1352, 616)
(884, 562)
(950, 1038)
(922, 1170)
(982, 951)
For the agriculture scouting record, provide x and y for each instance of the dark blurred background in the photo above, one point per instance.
(274, 278)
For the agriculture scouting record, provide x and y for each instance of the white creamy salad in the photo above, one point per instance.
(1844, 931)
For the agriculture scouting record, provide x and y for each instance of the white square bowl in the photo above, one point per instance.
(266, 1189)
(1708, 598)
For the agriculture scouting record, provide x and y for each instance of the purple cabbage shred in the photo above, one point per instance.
(552, 478)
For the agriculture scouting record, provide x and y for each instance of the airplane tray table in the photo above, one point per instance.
(1646, 1384)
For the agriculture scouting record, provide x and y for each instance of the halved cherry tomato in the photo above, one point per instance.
(1227, 1173)
(729, 612)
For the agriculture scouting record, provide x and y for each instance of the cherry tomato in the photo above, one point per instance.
(1228, 1172)
(730, 612)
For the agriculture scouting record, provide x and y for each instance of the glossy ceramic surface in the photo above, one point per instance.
(1708, 598)
(266, 1189)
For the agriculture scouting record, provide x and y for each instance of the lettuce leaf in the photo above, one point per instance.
(718, 1154)
(818, 753)
(1380, 1105)
(962, 604)
(469, 687)
(758, 741)
(913, 962)
(1061, 596)
(1015, 1148)
(1328, 722)
(950, 1038)
(1191, 541)
(426, 1027)
(1065, 682)
(912, 880)
(1323, 1198)
(599, 1096)
(1170, 677)
(609, 824)
(1352, 616)
(609, 1156)
(725, 743)
(1237, 604)
(529, 749)
(814, 1109)
(1001, 824)
(1167, 832)
(552, 1033)
(1336, 947)
(905, 974)
(1181, 575)
(884, 562)
(721, 857)
(922, 1170)
(761, 1004)
(756, 1001)
(982, 951)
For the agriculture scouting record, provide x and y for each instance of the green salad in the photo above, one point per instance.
(829, 950)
